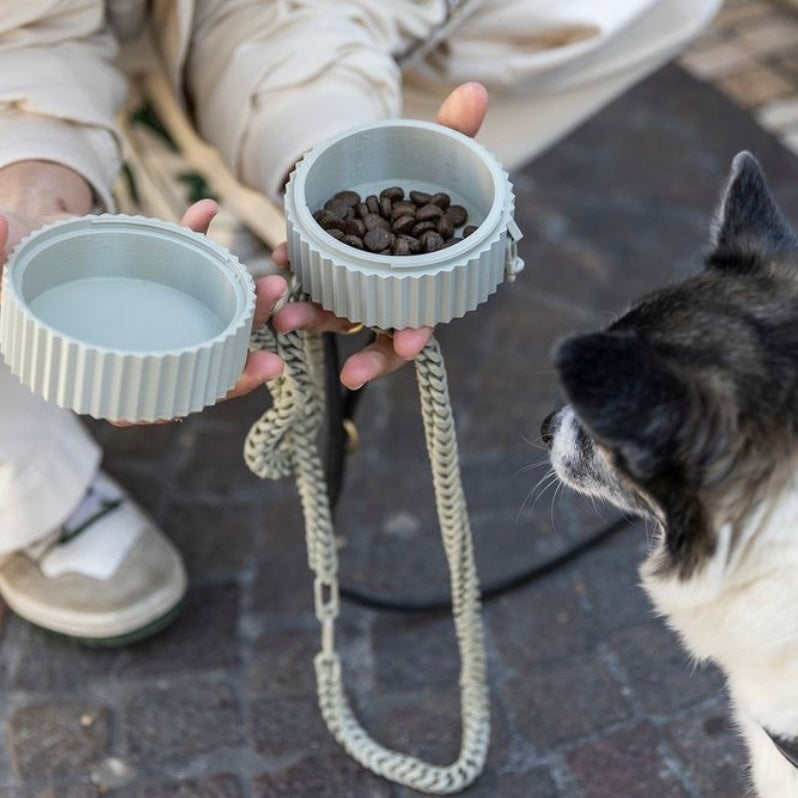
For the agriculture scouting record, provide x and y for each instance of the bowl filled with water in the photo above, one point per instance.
(125, 318)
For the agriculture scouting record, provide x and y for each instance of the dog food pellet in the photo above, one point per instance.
(456, 214)
(354, 227)
(402, 208)
(338, 208)
(441, 200)
(404, 224)
(372, 220)
(394, 224)
(428, 212)
(353, 241)
(377, 239)
(421, 227)
(393, 193)
(443, 226)
(400, 246)
(413, 244)
(349, 198)
(431, 241)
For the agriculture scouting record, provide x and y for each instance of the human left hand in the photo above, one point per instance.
(260, 366)
(464, 110)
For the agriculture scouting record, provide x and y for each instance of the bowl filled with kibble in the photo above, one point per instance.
(401, 223)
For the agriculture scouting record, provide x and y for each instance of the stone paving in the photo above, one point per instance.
(591, 695)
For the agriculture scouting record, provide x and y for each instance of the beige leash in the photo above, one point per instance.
(284, 441)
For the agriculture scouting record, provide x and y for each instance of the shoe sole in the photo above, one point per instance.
(116, 641)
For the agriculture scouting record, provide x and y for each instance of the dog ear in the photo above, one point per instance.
(625, 396)
(749, 228)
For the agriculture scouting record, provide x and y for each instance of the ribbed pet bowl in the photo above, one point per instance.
(125, 318)
(388, 291)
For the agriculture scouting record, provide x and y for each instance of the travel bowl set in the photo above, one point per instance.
(393, 225)
(134, 319)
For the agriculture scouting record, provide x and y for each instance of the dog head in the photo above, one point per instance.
(685, 409)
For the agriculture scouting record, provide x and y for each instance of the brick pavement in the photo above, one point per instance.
(591, 695)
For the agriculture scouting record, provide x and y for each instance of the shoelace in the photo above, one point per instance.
(93, 506)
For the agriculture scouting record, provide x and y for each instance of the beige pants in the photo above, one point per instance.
(47, 458)
(559, 89)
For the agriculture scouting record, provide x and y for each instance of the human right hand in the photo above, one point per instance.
(464, 110)
(36, 193)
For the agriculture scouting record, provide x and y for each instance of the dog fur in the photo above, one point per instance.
(685, 411)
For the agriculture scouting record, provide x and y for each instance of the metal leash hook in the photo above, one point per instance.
(386, 292)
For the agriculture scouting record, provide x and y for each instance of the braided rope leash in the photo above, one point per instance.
(284, 440)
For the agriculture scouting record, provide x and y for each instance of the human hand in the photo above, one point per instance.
(464, 110)
(35, 193)
(260, 366)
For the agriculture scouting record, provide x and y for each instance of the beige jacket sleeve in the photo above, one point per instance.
(269, 79)
(59, 89)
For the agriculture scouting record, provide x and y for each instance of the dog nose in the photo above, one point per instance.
(547, 429)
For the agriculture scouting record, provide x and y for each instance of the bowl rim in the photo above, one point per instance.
(236, 273)
(402, 265)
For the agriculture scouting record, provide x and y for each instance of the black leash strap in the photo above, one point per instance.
(341, 406)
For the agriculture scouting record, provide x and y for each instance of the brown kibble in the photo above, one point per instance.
(377, 239)
(391, 224)
(428, 212)
(444, 227)
(403, 208)
(413, 244)
(422, 227)
(351, 198)
(338, 208)
(441, 199)
(401, 246)
(457, 215)
(353, 241)
(420, 197)
(355, 227)
(431, 241)
(326, 219)
(374, 220)
(392, 193)
(404, 224)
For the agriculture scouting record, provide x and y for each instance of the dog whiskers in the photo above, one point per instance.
(533, 497)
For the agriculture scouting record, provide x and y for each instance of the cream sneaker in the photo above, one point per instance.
(107, 577)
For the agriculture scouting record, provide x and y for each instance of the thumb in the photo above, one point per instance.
(199, 216)
(464, 109)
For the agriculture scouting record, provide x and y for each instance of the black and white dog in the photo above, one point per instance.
(685, 411)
